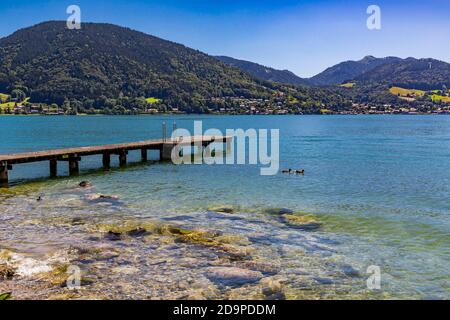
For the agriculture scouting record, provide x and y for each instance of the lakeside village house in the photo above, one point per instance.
(21, 109)
(390, 109)
(250, 106)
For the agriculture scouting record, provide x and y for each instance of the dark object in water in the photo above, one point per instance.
(292, 171)
(138, 232)
(350, 271)
(279, 211)
(302, 222)
(222, 209)
(85, 184)
(178, 218)
(310, 226)
(6, 273)
(101, 198)
(307, 227)
(113, 236)
(77, 221)
(39, 198)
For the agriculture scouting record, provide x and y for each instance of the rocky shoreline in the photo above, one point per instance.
(141, 258)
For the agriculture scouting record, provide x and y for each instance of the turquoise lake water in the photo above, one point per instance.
(379, 185)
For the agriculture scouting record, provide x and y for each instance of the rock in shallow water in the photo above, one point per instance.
(350, 271)
(272, 289)
(138, 232)
(113, 236)
(265, 268)
(279, 211)
(306, 222)
(232, 276)
(85, 184)
(6, 272)
(222, 209)
(77, 221)
(103, 199)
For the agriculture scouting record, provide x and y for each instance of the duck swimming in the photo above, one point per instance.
(293, 171)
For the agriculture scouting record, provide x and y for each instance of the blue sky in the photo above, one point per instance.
(303, 36)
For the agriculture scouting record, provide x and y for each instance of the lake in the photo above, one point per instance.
(379, 186)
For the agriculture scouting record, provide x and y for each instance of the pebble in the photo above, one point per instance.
(232, 276)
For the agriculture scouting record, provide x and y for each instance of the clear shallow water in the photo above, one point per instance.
(378, 184)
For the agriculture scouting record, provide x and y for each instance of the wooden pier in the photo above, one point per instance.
(72, 156)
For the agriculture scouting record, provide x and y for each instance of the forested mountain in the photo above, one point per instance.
(103, 61)
(264, 73)
(424, 74)
(349, 70)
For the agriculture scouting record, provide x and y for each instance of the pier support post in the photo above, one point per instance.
(229, 147)
(144, 155)
(165, 152)
(106, 160)
(74, 168)
(123, 158)
(53, 168)
(3, 174)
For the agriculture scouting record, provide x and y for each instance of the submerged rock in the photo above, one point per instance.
(272, 289)
(304, 222)
(125, 270)
(113, 236)
(265, 268)
(232, 276)
(77, 221)
(7, 272)
(138, 232)
(85, 184)
(177, 231)
(325, 281)
(60, 274)
(235, 247)
(222, 209)
(57, 276)
(126, 226)
(350, 271)
(105, 255)
(101, 198)
(279, 211)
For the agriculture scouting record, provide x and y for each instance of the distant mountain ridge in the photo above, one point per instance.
(349, 70)
(425, 74)
(263, 72)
